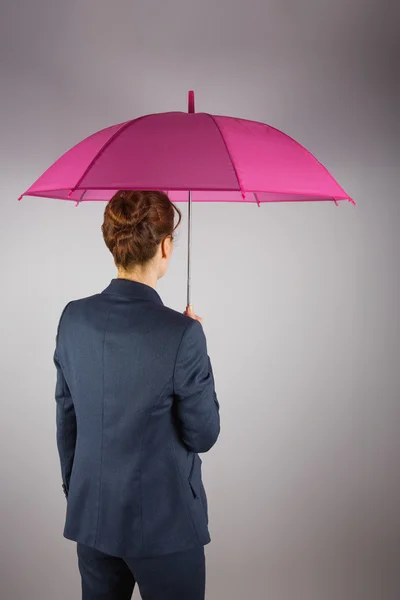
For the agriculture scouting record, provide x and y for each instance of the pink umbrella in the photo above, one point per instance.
(194, 157)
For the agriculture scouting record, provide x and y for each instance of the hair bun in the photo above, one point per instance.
(127, 212)
(140, 219)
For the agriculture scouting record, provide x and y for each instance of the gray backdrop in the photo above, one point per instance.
(300, 302)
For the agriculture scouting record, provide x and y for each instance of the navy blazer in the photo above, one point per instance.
(135, 404)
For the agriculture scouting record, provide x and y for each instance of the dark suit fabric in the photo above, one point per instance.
(178, 576)
(135, 405)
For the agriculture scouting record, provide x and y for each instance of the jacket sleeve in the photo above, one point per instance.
(65, 421)
(197, 405)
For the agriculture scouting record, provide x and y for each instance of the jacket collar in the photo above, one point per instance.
(132, 289)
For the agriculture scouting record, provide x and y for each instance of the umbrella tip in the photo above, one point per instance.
(191, 108)
(20, 198)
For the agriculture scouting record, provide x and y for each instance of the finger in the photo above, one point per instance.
(190, 310)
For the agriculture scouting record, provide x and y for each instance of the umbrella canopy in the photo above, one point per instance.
(194, 157)
(217, 158)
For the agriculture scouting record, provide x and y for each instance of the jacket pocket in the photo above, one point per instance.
(195, 476)
(196, 484)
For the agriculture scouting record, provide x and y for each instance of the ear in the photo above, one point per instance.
(166, 247)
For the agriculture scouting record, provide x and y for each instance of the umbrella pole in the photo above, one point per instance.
(189, 265)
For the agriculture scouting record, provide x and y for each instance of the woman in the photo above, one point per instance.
(136, 403)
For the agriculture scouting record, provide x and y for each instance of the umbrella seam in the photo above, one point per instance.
(115, 135)
(229, 154)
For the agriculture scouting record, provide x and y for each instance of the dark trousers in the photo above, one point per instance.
(179, 576)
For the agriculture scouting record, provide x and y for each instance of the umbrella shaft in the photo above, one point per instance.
(189, 265)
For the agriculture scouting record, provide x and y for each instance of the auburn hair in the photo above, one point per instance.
(135, 223)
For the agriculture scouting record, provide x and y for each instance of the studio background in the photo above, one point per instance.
(300, 301)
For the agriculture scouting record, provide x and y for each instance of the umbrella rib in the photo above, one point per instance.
(116, 134)
(229, 155)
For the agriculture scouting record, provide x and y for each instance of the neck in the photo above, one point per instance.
(146, 276)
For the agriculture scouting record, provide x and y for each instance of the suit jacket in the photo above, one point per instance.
(135, 404)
